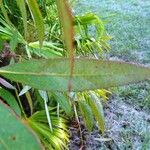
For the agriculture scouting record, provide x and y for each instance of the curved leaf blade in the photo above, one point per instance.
(38, 19)
(10, 99)
(97, 110)
(54, 74)
(22, 6)
(64, 102)
(6, 84)
(13, 133)
(87, 114)
(57, 139)
(24, 90)
(4, 12)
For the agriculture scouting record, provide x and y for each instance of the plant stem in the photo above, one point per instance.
(58, 110)
(19, 101)
(77, 118)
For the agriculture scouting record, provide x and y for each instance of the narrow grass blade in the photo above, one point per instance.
(22, 6)
(38, 19)
(44, 96)
(4, 12)
(30, 102)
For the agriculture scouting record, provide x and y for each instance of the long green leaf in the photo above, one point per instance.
(38, 19)
(87, 114)
(14, 134)
(22, 7)
(64, 102)
(4, 12)
(97, 110)
(14, 41)
(44, 96)
(53, 74)
(10, 99)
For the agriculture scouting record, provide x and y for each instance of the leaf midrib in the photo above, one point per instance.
(61, 75)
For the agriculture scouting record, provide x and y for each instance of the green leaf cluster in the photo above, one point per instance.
(51, 80)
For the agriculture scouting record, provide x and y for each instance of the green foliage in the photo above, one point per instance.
(98, 74)
(10, 99)
(14, 133)
(52, 45)
(60, 74)
(37, 17)
(56, 139)
(91, 36)
(4, 12)
(48, 50)
(9, 32)
(97, 110)
(85, 43)
(22, 6)
(64, 102)
(87, 114)
(91, 108)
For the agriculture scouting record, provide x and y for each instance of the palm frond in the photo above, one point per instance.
(56, 139)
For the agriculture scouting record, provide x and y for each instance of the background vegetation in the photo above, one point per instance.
(48, 92)
(127, 112)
